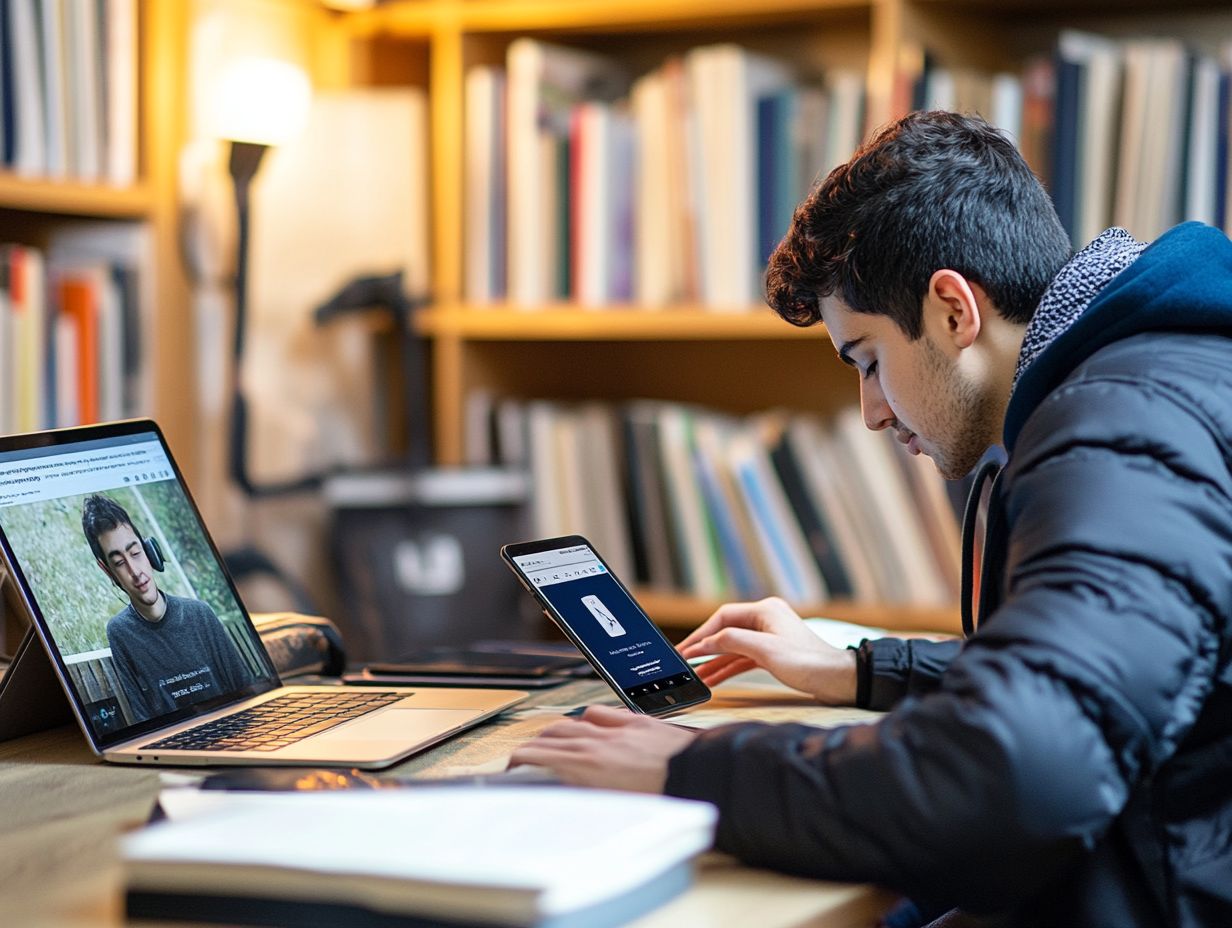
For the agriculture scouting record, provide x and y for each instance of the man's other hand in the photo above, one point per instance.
(608, 748)
(770, 634)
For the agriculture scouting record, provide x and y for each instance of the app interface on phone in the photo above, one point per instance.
(610, 624)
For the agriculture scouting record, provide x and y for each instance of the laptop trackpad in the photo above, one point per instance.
(396, 726)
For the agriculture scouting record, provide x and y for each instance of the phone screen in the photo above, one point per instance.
(580, 593)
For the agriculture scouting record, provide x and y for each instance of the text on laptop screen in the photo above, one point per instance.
(131, 593)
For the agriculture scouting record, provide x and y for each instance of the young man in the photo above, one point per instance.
(168, 652)
(1070, 762)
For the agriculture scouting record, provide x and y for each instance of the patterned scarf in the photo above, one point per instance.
(1072, 290)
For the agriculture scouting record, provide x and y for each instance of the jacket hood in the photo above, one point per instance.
(1181, 283)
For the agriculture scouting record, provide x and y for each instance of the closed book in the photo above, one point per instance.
(547, 856)
(795, 575)
(485, 184)
(545, 81)
(79, 313)
(654, 552)
(814, 521)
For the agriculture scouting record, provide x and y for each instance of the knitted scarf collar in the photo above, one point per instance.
(1072, 290)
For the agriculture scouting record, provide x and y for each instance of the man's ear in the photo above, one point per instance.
(956, 305)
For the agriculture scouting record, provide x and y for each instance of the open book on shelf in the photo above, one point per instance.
(541, 856)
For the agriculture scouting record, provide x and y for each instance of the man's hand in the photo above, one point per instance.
(770, 634)
(608, 748)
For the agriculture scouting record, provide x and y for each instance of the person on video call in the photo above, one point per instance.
(168, 652)
(1070, 762)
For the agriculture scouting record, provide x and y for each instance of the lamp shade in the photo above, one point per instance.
(261, 100)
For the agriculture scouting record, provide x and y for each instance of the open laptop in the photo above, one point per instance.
(147, 635)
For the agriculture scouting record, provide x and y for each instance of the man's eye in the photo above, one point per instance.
(870, 370)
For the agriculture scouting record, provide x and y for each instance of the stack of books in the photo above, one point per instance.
(71, 333)
(584, 185)
(694, 501)
(1132, 133)
(68, 90)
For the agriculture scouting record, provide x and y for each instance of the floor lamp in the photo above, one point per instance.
(260, 102)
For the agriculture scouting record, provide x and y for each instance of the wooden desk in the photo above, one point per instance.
(61, 810)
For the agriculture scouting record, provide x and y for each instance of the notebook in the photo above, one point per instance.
(147, 635)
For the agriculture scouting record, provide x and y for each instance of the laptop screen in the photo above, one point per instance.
(126, 585)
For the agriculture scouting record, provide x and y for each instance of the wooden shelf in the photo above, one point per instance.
(75, 199)
(677, 611)
(417, 19)
(609, 324)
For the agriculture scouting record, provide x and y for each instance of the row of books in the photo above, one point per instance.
(68, 89)
(70, 336)
(1132, 133)
(690, 500)
(584, 185)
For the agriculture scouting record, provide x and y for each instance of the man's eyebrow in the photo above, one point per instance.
(844, 351)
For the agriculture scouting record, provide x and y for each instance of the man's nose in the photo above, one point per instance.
(873, 406)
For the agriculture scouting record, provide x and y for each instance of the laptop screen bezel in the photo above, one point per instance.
(100, 743)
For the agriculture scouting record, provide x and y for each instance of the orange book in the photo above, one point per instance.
(79, 303)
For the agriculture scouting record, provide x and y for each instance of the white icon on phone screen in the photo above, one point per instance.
(603, 615)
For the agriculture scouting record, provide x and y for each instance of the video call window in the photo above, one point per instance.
(144, 620)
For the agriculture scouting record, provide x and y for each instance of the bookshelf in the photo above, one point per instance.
(34, 209)
(738, 362)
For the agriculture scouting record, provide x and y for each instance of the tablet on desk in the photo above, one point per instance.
(444, 666)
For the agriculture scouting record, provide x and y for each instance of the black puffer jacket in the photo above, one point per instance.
(1072, 764)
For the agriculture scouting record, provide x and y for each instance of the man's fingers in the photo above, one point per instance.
(725, 615)
(729, 670)
(609, 716)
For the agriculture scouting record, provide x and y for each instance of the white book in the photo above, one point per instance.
(1128, 197)
(30, 149)
(696, 543)
(1097, 128)
(121, 88)
(1006, 110)
(940, 89)
(845, 128)
(55, 100)
(1201, 171)
(726, 83)
(592, 226)
(654, 220)
(511, 856)
(485, 184)
(547, 508)
(784, 548)
(545, 81)
(85, 88)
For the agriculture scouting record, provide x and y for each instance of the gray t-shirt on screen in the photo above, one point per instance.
(183, 658)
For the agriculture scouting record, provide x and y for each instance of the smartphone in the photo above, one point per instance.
(580, 594)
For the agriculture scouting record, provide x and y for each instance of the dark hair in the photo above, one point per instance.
(933, 190)
(101, 514)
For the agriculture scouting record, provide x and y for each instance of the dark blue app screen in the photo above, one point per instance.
(597, 610)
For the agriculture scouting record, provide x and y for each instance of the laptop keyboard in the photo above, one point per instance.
(277, 723)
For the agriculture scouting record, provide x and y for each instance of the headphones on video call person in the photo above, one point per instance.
(153, 552)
